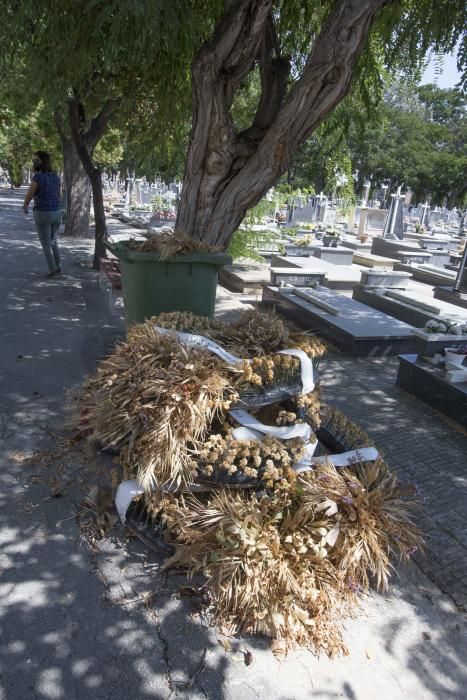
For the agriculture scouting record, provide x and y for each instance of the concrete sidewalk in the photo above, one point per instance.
(77, 624)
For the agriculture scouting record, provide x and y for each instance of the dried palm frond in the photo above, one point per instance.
(372, 516)
(256, 333)
(260, 581)
(169, 243)
(264, 333)
(153, 399)
(96, 513)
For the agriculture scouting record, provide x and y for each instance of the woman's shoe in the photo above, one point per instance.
(58, 271)
(51, 274)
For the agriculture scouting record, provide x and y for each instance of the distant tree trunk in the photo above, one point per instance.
(99, 218)
(78, 192)
(227, 173)
(16, 174)
(85, 137)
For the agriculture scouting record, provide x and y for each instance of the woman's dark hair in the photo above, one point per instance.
(45, 164)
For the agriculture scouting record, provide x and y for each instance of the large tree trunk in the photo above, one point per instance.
(78, 192)
(227, 173)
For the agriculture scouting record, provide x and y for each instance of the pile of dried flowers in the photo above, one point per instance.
(284, 553)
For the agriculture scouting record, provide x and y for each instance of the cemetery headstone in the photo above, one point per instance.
(425, 215)
(128, 192)
(366, 192)
(394, 226)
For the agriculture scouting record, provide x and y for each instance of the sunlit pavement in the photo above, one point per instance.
(73, 622)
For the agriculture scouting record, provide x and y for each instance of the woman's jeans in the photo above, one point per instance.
(47, 224)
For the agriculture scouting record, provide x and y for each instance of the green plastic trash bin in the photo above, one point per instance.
(181, 283)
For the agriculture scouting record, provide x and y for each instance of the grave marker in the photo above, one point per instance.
(394, 226)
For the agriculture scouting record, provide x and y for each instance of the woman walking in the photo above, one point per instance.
(45, 188)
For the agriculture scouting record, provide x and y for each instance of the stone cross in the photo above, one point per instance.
(425, 217)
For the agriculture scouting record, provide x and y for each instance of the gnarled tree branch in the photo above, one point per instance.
(274, 72)
(217, 71)
(325, 82)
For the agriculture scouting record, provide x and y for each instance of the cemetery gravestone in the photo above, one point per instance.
(394, 225)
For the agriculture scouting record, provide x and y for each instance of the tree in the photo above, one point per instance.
(18, 137)
(24, 128)
(418, 143)
(153, 144)
(446, 119)
(226, 171)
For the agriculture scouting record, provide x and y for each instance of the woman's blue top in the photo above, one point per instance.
(47, 197)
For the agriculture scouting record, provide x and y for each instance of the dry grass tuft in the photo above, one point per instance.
(374, 519)
(169, 243)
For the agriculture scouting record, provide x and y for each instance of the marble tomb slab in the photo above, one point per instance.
(337, 276)
(355, 328)
(241, 277)
(370, 260)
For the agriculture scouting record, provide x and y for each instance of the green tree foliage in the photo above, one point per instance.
(415, 138)
(422, 147)
(108, 153)
(100, 61)
(25, 126)
(22, 134)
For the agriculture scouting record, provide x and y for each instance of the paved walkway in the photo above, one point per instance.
(80, 625)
